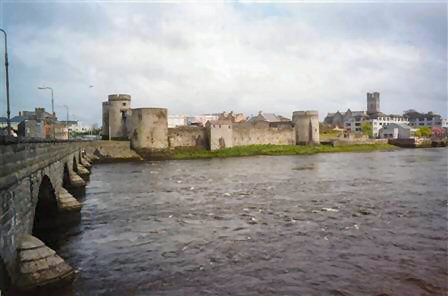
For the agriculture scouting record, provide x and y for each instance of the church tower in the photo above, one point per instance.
(373, 103)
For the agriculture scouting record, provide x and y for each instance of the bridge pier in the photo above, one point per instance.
(67, 203)
(38, 265)
(76, 185)
(83, 161)
(83, 172)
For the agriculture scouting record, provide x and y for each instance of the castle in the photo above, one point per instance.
(147, 129)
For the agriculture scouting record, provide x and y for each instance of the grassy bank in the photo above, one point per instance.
(278, 150)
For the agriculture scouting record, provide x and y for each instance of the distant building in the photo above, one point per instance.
(396, 131)
(75, 126)
(417, 119)
(351, 121)
(177, 120)
(31, 128)
(234, 118)
(338, 119)
(380, 120)
(37, 114)
(271, 119)
(60, 131)
(79, 127)
(41, 129)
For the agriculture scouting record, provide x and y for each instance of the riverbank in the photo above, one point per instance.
(278, 150)
(111, 151)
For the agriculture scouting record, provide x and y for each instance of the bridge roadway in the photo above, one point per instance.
(39, 186)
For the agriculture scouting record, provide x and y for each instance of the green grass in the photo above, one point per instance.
(277, 150)
(330, 134)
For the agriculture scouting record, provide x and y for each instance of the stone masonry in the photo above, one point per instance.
(37, 182)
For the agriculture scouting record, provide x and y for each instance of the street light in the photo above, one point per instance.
(52, 106)
(52, 97)
(66, 122)
(8, 112)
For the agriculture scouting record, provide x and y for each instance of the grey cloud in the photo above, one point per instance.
(209, 58)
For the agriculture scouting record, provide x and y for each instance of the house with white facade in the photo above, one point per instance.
(381, 120)
(396, 131)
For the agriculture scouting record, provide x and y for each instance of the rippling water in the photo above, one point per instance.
(327, 224)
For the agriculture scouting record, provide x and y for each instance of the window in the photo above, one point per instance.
(124, 104)
(358, 124)
(421, 123)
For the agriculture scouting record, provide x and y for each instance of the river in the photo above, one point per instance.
(326, 224)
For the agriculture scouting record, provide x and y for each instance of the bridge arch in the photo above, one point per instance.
(46, 209)
(75, 164)
(66, 177)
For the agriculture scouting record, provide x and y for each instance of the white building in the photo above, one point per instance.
(354, 124)
(384, 120)
(177, 120)
(396, 131)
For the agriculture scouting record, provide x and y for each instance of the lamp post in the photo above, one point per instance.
(52, 107)
(66, 122)
(8, 111)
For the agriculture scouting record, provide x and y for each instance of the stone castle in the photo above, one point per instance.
(147, 129)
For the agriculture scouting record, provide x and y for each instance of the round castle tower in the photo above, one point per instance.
(116, 113)
(306, 127)
(150, 130)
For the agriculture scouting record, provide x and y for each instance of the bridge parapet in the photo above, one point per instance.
(20, 160)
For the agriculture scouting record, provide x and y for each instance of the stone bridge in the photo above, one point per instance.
(39, 184)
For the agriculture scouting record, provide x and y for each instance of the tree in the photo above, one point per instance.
(367, 129)
(423, 132)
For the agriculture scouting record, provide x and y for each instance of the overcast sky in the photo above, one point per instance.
(205, 58)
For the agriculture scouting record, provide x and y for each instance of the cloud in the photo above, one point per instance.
(201, 58)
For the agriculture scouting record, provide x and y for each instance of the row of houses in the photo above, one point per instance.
(201, 120)
(39, 124)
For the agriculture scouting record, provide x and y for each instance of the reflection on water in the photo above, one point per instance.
(328, 224)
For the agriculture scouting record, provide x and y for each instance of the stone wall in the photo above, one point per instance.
(220, 135)
(110, 151)
(24, 167)
(187, 137)
(411, 142)
(253, 135)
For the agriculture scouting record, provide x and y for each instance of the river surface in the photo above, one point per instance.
(326, 224)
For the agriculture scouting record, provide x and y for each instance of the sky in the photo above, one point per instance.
(196, 58)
